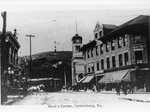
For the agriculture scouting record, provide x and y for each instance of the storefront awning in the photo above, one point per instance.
(115, 77)
(88, 79)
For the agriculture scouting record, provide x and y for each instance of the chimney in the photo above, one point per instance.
(3, 14)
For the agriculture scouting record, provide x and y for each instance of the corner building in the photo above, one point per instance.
(9, 47)
(119, 55)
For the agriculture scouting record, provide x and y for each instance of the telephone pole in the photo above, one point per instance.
(30, 36)
(3, 66)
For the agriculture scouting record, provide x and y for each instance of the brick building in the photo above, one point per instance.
(8, 59)
(119, 55)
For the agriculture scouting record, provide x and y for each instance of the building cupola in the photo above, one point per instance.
(76, 39)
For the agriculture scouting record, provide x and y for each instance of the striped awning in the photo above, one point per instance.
(116, 77)
(88, 79)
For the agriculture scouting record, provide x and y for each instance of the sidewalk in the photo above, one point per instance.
(13, 98)
(145, 98)
(136, 96)
(114, 92)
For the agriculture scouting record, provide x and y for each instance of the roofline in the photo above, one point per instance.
(120, 27)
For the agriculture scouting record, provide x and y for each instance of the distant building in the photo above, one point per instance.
(78, 68)
(119, 55)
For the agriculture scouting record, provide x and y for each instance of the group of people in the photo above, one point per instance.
(125, 88)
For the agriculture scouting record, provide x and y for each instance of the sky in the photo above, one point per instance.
(55, 20)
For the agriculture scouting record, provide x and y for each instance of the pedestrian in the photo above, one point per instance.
(125, 89)
(118, 89)
(131, 88)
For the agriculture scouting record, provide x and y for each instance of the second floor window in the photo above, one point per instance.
(88, 69)
(108, 62)
(113, 61)
(102, 64)
(92, 52)
(96, 50)
(120, 60)
(101, 48)
(93, 68)
(97, 66)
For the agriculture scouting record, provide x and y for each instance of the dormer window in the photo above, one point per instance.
(96, 36)
(100, 34)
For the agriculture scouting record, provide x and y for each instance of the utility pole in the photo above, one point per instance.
(55, 46)
(3, 67)
(65, 78)
(30, 36)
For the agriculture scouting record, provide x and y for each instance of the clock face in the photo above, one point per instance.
(78, 41)
(7, 39)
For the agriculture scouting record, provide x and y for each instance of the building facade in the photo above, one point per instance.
(121, 55)
(8, 59)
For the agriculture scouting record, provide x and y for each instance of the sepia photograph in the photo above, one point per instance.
(81, 55)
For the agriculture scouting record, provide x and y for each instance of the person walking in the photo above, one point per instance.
(118, 89)
(124, 89)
